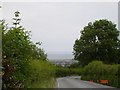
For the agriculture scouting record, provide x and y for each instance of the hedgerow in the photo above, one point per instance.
(97, 70)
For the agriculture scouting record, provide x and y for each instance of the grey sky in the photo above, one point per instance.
(58, 24)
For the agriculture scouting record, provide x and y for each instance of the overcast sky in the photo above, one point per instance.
(57, 24)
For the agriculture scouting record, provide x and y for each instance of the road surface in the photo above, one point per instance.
(75, 82)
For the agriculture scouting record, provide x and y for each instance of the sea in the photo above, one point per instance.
(60, 56)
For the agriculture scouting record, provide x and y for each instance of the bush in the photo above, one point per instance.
(61, 72)
(17, 51)
(64, 71)
(36, 74)
(42, 75)
(96, 70)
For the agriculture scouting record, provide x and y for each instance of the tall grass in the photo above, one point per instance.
(42, 75)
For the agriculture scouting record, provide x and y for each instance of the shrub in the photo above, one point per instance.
(42, 75)
(96, 70)
(65, 71)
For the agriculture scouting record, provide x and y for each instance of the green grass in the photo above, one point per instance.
(42, 75)
(50, 83)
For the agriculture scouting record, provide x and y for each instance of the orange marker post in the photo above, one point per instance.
(104, 81)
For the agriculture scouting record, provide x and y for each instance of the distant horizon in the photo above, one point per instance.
(60, 56)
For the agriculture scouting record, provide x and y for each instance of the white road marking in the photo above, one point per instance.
(57, 84)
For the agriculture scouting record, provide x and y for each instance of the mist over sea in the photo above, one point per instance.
(59, 56)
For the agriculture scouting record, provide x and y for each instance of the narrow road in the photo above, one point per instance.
(75, 82)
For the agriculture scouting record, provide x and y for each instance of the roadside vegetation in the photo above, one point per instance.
(42, 75)
(24, 63)
(99, 41)
(96, 71)
(67, 71)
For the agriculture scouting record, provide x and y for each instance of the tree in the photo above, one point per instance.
(17, 52)
(99, 40)
(38, 53)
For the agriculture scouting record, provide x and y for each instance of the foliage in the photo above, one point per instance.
(96, 70)
(65, 71)
(98, 40)
(38, 53)
(17, 52)
(75, 65)
(42, 72)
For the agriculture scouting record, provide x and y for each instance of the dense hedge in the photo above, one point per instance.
(42, 75)
(65, 71)
(24, 63)
(96, 70)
